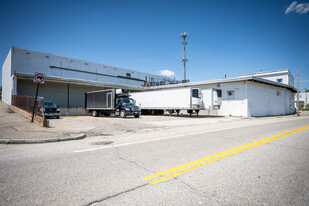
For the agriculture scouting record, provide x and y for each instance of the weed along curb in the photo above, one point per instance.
(46, 140)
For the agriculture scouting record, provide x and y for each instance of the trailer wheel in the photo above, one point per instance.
(197, 111)
(136, 116)
(123, 114)
(190, 112)
(95, 113)
(170, 111)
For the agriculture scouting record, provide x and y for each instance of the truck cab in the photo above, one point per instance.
(126, 106)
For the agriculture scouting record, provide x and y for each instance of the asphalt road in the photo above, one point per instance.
(262, 161)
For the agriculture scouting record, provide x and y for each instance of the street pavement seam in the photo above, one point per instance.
(115, 195)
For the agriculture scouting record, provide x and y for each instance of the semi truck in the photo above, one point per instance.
(170, 100)
(111, 101)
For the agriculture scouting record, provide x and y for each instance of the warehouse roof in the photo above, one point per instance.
(236, 79)
(266, 73)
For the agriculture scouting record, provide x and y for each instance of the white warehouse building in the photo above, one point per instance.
(67, 80)
(259, 94)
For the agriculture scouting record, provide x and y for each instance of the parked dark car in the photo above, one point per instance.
(50, 109)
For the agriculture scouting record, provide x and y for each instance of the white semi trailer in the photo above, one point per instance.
(171, 100)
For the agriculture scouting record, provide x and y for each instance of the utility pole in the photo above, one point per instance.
(297, 92)
(184, 35)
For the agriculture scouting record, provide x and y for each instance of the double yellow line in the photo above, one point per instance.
(207, 160)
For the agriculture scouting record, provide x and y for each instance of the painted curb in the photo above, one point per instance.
(34, 141)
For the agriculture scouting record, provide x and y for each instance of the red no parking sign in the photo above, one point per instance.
(39, 78)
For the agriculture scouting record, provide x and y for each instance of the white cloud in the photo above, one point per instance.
(297, 8)
(167, 73)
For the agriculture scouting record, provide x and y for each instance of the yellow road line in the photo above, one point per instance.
(210, 157)
(216, 157)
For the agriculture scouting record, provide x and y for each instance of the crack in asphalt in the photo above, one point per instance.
(115, 195)
(132, 162)
(126, 191)
(192, 188)
(287, 146)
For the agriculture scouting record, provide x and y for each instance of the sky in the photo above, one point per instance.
(229, 37)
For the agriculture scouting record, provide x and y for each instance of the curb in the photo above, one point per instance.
(37, 119)
(34, 141)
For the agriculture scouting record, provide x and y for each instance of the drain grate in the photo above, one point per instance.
(102, 143)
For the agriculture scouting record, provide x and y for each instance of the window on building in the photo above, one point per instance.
(152, 79)
(279, 80)
(128, 75)
(230, 94)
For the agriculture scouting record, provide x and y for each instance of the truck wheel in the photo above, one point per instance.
(123, 114)
(95, 113)
(136, 116)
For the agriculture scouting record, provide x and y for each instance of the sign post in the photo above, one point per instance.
(39, 79)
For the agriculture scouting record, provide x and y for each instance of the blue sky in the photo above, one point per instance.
(224, 37)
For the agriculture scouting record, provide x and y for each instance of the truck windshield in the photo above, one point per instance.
(127, 101)
(49, 104)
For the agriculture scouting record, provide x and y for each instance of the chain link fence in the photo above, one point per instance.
(26, 103)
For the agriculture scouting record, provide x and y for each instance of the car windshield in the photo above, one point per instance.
(127, 101)
(49, 104)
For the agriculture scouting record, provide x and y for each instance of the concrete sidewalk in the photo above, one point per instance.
(15, 128)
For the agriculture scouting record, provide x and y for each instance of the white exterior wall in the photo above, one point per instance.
(251, 99)
(7, 79)
(290, 103)
(266, 100)
(291, 79)
(29, 62)
(285, 75)
(229, 107)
